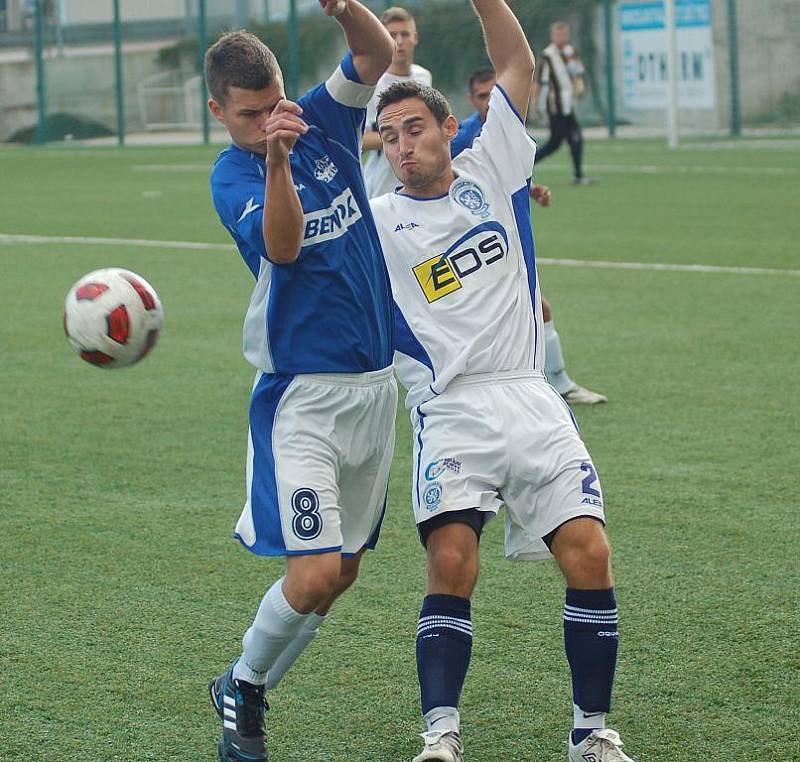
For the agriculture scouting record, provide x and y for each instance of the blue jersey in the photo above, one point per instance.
(468, 130)
(330, 311)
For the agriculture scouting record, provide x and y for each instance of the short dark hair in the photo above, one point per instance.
(239, 59)
(395, 13)
(479, 76)
(437, 104)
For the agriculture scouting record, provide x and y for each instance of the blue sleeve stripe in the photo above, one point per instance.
(508, 100)
(349, 68)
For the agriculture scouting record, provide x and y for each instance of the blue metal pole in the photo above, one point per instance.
(118, 75)
(611, 95)
(733, 47)
(41, 124)
(294, 52)
(202, 43)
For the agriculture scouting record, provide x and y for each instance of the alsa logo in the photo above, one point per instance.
(484, 246)
(406, 226)
(330, 223)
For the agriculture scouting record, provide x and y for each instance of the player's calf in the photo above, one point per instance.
(591, 633)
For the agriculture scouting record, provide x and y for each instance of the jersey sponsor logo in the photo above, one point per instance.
(438, 467)
(482, 247)
(250, 206)
(432, 496)
(470, 195)
(332, 222)
(299, 187)
(407, 226)
(325, 169)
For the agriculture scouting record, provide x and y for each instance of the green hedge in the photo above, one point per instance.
(451, 42)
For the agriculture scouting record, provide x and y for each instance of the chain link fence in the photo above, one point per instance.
(81, 69)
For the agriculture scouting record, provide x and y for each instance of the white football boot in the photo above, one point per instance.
(600, 746)
(441, 746)
(579, 395)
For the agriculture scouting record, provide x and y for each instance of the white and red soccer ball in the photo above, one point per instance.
(112, 317)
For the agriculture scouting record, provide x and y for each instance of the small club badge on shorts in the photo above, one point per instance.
(432, 495)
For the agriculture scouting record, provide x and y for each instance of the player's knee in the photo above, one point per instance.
(347, 576)
(453, 568)
(310, 584)
(596, 554)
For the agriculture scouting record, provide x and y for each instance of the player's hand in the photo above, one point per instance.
(333, 7)
(541, 195)
(282, 129)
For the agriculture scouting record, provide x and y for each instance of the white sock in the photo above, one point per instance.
(289, 656)
(595, 720)
(554, 360)
(443, 718)
(275, 626)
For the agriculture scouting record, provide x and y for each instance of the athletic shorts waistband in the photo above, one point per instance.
(369, 378)
(493, 379)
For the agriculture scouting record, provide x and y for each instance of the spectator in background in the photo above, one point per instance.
(559, 77)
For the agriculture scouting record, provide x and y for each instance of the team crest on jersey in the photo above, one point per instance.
(325, 169)
(469, 194)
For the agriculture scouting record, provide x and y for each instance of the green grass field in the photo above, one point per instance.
(122, 592)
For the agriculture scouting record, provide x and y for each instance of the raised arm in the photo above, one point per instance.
(508, 50)
(367, 38)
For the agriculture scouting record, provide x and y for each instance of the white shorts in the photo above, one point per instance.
(318, 457)
(505, 438)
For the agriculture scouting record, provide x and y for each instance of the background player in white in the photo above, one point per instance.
(400, 24)
(318, 329)
(487, 427)
(481, 83)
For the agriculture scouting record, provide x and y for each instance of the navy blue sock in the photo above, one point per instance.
(591, 638)
(444, 648)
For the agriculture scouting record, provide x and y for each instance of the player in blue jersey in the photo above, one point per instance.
(488, 430)
(319, 331)
(481, 83)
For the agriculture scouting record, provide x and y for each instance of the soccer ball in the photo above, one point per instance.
(112, 317)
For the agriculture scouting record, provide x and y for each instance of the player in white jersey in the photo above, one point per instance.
(488, 429)
(319, 330)
(378, 175)
(481, 84)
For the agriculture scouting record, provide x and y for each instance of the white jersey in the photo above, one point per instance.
(462, 265)
(378, 174)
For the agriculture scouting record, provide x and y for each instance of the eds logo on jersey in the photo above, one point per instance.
(442, 274)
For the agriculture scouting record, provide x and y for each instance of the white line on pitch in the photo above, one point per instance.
(206, 168)
(682, 169)
(602, 265)
(9, 238)
(644, 169)
(145, 242)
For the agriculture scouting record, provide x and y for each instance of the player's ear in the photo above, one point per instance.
(215, 109)
(450, 126)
